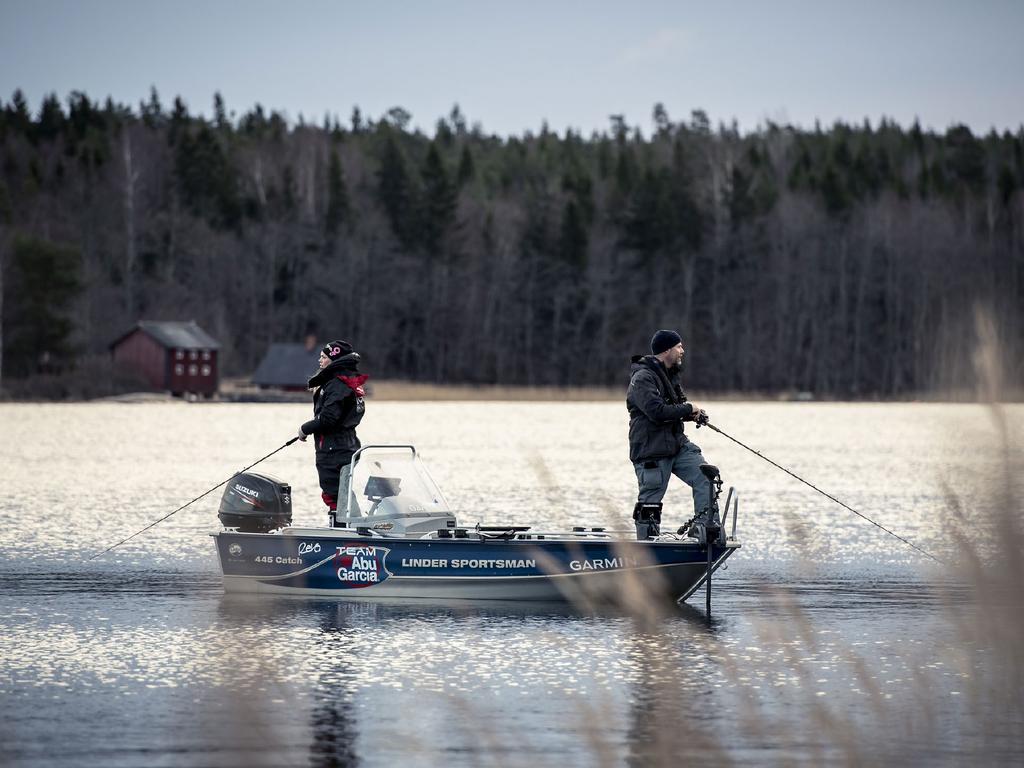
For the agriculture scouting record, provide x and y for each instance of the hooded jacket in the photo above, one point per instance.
(338, 407)
(657, 407)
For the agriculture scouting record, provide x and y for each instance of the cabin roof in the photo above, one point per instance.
(173, 334)
(286, 365)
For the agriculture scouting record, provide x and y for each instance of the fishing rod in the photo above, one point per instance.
(705, 423)
(197, 498)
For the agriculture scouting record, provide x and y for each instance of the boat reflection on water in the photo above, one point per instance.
(448, 678)
(582, 623)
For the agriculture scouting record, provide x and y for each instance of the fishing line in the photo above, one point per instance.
(197, 498)
(823, 493)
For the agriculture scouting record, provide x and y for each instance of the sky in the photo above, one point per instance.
(513, 65)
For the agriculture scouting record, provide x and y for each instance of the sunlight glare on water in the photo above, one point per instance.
(145, 635)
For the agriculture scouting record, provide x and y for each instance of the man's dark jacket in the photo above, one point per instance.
(338, 407)
(656, 406)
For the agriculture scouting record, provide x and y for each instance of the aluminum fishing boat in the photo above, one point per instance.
(396, 536)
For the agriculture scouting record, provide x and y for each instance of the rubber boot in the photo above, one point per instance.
(647, 518)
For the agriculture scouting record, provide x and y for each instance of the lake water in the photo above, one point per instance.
(831, 642)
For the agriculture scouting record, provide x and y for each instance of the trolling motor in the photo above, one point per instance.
(706, 525)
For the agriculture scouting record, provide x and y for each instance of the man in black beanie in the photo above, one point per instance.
(338, 408)
(657, 446)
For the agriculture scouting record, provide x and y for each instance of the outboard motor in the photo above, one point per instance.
(255, 503)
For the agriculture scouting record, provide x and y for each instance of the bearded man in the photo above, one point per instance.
(658, 446)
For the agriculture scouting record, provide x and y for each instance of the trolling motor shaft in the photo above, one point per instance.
(707, 528)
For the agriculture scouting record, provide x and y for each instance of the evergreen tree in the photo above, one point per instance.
(648, 223)
(577, 182)
(289, 196)
(398, 118)
(152, 110)
(660, 119)
(741, 202)
(1006, 184)
(18, 117)
(966, 158)
(443, 134)
(83, 116)
(6, 211)
(572, 245)
(220, 118)
(51, 119)
(466, 167)
(917, 137)
(207, 181)
(604, 158)
(619, 128)
(688, 219)
(624, 172)
(337, 195)
(833, 192)
(39, 299)
(700, 123)
(457, 120)
(278, 127)
(394, 191)
(438, 203)
(179, 120)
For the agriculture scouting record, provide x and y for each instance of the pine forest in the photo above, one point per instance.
(848, 261)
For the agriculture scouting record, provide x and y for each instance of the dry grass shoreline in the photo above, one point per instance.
(406, 390)
(234, 390)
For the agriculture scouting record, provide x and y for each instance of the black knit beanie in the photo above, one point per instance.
(664, 340)
(336, 349)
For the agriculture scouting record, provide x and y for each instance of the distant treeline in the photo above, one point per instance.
(843, 261)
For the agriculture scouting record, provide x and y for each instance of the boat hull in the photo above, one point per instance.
(322, 562)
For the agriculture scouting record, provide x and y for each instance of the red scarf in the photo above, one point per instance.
(355, 383)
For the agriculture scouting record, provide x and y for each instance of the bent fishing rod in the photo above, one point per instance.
(197, 498)
(706, 423)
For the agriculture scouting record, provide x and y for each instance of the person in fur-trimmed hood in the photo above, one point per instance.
(338, 407)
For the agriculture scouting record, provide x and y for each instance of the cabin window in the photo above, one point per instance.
(193, 370)
(193, 355)
(180, 354)
(179, 369)
(206, 354)
(206, 370)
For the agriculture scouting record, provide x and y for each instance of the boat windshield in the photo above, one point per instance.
(395, 473)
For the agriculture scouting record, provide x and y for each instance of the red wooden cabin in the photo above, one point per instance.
(178, 357)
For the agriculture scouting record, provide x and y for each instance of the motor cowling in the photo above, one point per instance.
(255, 503)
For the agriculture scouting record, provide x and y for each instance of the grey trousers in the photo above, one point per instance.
(685, 465)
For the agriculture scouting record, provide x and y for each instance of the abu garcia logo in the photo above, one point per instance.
(361, 566)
